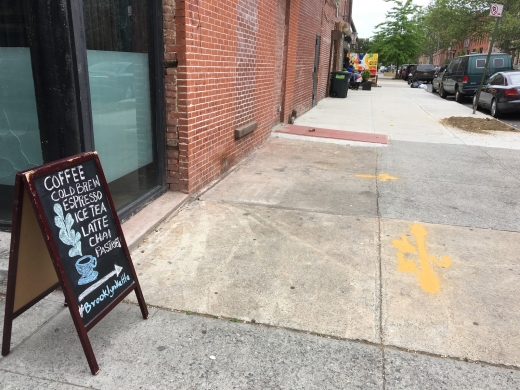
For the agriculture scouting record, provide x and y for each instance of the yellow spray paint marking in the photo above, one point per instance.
(380, 177)
(428, 279)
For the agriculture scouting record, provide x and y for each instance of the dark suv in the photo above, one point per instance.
(463, 75)
(424, 73)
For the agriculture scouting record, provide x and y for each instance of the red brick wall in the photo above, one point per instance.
(238, 62)
(315, 18)
(310, 17)
(172, 51)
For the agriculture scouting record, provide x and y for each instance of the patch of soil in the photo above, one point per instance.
(476, 125)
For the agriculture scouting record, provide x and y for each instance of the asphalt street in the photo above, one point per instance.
(510, 119)
(319, 264)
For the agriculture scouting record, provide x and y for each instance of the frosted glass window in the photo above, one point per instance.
(20, 146)
(118, 45)
(121, 112)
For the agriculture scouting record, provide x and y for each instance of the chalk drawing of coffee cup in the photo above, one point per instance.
(85, 266)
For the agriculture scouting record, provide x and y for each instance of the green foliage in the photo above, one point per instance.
(508, 35)
(430, 42)
(363, 45)
(400, 38)
(452, 21)
(365, 75)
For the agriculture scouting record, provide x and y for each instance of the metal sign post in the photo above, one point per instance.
(495, 11)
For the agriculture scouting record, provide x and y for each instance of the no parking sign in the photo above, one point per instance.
(496, 10)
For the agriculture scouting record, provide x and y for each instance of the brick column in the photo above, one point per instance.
(174, 57)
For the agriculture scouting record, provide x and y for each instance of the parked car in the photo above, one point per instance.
(501, 94)
(423, 72)
(439, 69)
(463, 75)
(436, 82)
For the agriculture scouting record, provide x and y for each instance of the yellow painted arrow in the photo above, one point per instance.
(380, 177)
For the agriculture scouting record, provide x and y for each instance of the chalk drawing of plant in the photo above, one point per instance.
(67, 234)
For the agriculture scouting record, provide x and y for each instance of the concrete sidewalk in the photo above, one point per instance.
(318, 265)
(402, 113)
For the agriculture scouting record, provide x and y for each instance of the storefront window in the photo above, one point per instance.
(117, 35)
(20, 146)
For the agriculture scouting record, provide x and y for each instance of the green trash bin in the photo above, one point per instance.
(339, 82)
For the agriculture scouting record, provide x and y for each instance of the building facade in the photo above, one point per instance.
(237, 66)
(470, 45)
(170, 93)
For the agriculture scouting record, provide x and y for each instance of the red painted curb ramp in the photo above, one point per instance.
(310, 131)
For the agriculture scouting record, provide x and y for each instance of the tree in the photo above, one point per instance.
(455, 20)
(508, 35)
(363, 45)
(399, 39)
(431, 41)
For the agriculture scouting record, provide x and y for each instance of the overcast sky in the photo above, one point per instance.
(369, 13)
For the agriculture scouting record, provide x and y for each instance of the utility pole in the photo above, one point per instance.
(495, 11)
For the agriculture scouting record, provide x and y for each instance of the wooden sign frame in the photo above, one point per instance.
(35, 266)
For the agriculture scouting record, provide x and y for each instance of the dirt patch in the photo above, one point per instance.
(476, 125)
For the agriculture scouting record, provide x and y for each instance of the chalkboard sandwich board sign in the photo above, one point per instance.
(66, 232)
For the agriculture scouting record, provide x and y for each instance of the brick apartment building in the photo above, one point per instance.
(170, 93)
(470, 45)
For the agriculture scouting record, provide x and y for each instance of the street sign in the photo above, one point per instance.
(496, 10)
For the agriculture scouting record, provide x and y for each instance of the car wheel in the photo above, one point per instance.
(475, 103)
(459, 98)
(433, 89)
(494, 109)
(442, 92)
